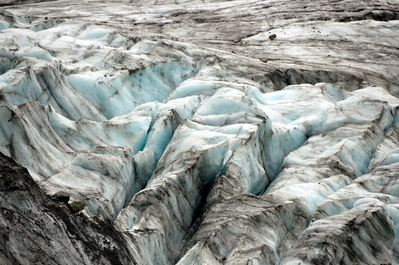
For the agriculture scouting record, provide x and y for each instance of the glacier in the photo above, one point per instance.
(199, 132)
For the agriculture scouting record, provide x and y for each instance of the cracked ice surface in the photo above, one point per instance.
(199, 156)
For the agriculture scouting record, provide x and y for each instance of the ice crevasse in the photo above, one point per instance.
(192, 160)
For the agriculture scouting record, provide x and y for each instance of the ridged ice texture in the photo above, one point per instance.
(199, 156)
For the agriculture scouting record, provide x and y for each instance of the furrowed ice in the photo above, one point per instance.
(189, 158)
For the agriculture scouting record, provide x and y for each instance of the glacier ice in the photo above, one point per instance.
(168, 152)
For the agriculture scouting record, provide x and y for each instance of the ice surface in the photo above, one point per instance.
(346, 238)
(199, 156)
